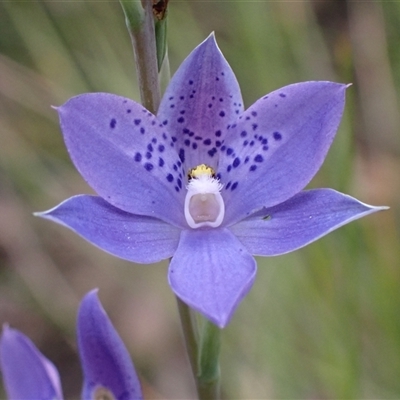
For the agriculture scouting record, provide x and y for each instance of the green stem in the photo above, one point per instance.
(203, 357)
(209, 371)
(189, 334)
(140, 24)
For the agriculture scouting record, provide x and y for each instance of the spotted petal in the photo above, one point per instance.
(278, 145)
(124, 154)
(211, 271)
(299, 221)
(132, 237)
(27, 374)
(105, 360)
(202, 98)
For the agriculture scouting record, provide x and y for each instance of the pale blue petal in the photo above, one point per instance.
(27, 374)
(123, 153)
(201, 101)
(132, 237)
(299, 221)
(105, 360)
(278, 145)
(211, 271)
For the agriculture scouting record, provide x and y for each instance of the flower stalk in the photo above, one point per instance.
(140, 23)
(203, 351)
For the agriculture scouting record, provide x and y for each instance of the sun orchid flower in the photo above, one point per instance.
(107, 368)
(205, 181)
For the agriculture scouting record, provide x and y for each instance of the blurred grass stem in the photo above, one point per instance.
(140, 23)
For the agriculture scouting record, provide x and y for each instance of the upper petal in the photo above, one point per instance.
(105, 360)
(211, 271)
(123, 153)
(27, 374)
(132, 237)
(202, 99)
(299, 221)
(278, 145)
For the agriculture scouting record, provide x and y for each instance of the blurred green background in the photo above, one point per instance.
(320, 323)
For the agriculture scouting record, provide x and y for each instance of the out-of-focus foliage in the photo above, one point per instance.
(322, 322)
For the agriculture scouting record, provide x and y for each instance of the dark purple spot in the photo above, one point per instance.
(221, 99)
(142, 130)
(179, 182)
(228, 169)
(175, 167)
(161, 162)
(254, 126)
(246, 160)
(178, 163)
(198, 138)
(264, 141)
(190, 82)
(253, 168)
(223, 148)
(209, 105)
(165, 122)
(245, 143)
(113, 122)
(172, 106)
(254, 114)
(185, 130)
(235, 185)
(164, 135)
(191, 96)
(137, 121)
(258, 158)
(182, 155)
(181, 120)
(217, 79)
(212, 152)
(207, 142)
(277, 136)
(252, 143)
(150, 147)
(228, 185)
(149, 166)
(171, 98)
(236, 162)
(148, 155)
(128, 110)
(218, 133)
(187, 142)
(154, 140)
(194, 146)
(222, 114)
(174, 139)
(182, 97)
(243, 134)
(170, 178)
(282, 94)
(265, 148)
(138, 157)
(229, 151)
(161, 148)
(218, 143)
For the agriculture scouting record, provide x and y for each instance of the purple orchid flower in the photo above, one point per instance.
(107, 368)
(205, 181)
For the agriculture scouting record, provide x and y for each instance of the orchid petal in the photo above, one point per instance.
(299, 221)
(201, 100)
(211, 271)
(105, 360)
(125, 156)
(27, 374)
(132, 237)
(278, 145)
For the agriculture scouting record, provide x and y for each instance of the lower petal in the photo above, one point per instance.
(27, 374)
(211, 271)
(132, 237)
(299, 221)
(106, 363)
